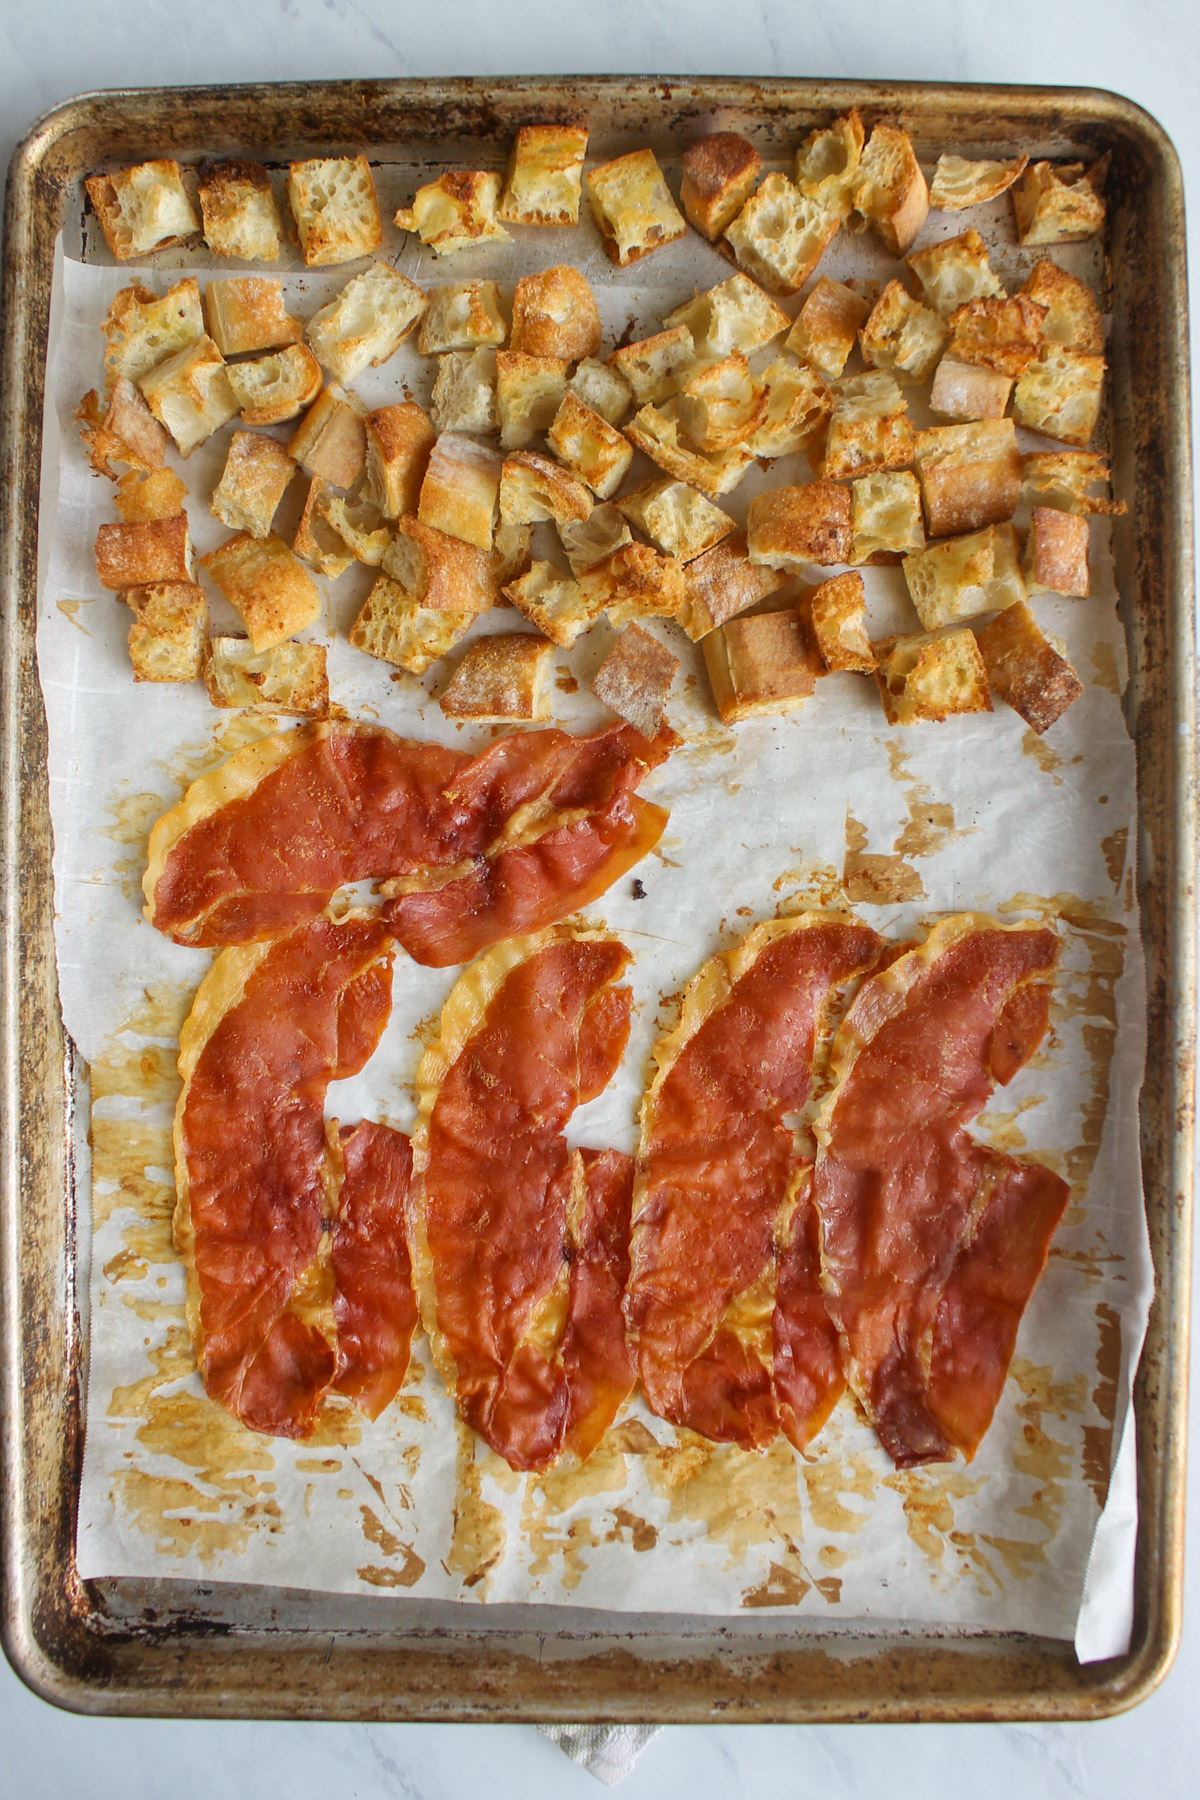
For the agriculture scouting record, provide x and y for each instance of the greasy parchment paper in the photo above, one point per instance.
(777, 815)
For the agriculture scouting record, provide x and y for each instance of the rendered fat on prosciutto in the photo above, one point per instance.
(931, 1242)
(292, 1234)
(724, 1302)
(526, 829)
(521, 1244)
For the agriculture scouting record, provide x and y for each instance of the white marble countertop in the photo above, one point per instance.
(1149, 51)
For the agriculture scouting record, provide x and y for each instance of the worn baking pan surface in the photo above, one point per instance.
(750, 1671)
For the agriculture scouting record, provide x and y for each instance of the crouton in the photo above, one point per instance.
(190, 394)
(555, 314)
(143, 328)
(501, 680)
(635, 582)
(316, 540)
(735, 315)
(246, 312)
(238, 208)
(1063, 478)
(588, 541)
(589, 446)
(460, 494)
(360, 525)
(632, 206)
(890, 190)
(655, 430)
(885, 514)
(146, 552)
(960, 577)
(719, 173)
(603, 388)
(464, 393)
(1072, 313)
(835, 616)
(762, 664)
(1059, 205)
(398, 629)
(143, 208)
(722, 583)
(534, 489)
(827, 164)
(331, 438)
(269, 589)
(367, 323)
(291, 678)
(676, 518)
(963, 391)
(399, 440)
(455, 212)
(334, 206)
(272, 389)
(780, 235)
(869, 429)
(544, 179)
(1056, 552)
(1059, 394)
(152, 494)
(125, 430)
(970, 474)
(440, 572)
(958, 183)
(721, 405)
(635, 678)
(510, 554)
(931, 675)
(1004, 335)
(798, 408)
(169, 631)
(901, 335)
(654, 366)
(791, 526)
(529, 392)
(953, 272)
(464, 315)
(554, 602)
(255, 477)
(1025, 669)
(826, 327)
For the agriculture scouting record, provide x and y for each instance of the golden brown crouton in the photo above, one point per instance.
(460, 494)
(719, 173)
(589, 446)
(588, 541)
(791, 526)
(826, 327)
(1063, 478)
(656, 430)
(798, 409)
(510, 554)
(675, 517)
(554, 602)
(1059, 205)
(603, 388)
(246, 312)
(439, 572)
(835, 615)
(334, 206)
(957, 578)
(190, 394)
(169, 631)
(970, 475)
(721, 405)
(143, 328)
(953, 272)
(733, 315)
(901, 335)
(360, 525)
(316, 540)
(272, 389)
(869, 429)
(367, 322)
(958, 183)
(123, 431)
(654, 366)
(722, 583)
(256, 475)
(827, 163)
(501, 680)
(633, 207)
(635, 582)
(885, 517)
(455, 212)
(1004, 335)
(534, 489)
(635, 678)
(464, 393)
(291, 678)
(331, 438)
(398, 629)
(780, 235)
(146, 552)
(555, 314)
(269, 589)
(1025, 669)
(152, 494)
(931, 675)
(143, 208)
(1072, 313)
(240, 215)
(889, 188)
(545, 168)
(1056, 552)
(963, 391)
(762, 664)
(463, 315)
(529, 391)
(1059, 394)
(399, 440)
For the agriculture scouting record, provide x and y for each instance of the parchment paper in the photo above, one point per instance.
(770, 817)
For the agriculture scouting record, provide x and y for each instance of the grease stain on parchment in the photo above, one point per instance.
(928, 1497)
(930, 825)
(1098, 1439)
(1104, 662)
(479, 1534)
(412, 1566)
(133, 816)
(70, 611)
(552, 1493)
(1047, 759)
(872, 879)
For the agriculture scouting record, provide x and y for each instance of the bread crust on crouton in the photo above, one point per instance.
(869, 429)
(460, 494)
(1072, 310)
(143, 208)
(331, 438)
(835, 615)
(635, 678)
(291, 678)
(826, 327)
(246, 313)
(635, 582)
(958, 183)
(455, 212)
(534, 489)
(589, 446)
(123, 431)
(1059, 204)
(889, 188)
(955, 271)
(1063, 478)
(632, 206)
(1025, 669)
(719, 173)
(765, 663)
(931, 675)
(654, 366)
(970, 475)
(554, 313)
(1056, 553)
(399, 441)
(367, 322)
(501, 680)
(333, 203)
(169, 632)
(964, 391)
(721, 583)
(440, 572)
(603, 388)
(958, 578)
(317, 540)
(149, 494)
(240, 214)
(656, 430)
(529, 392)
(675, 517)
(462, 315)
(143, 328)
(791, 526)
(190, 394)
(147, 552)
(464, 392)
(543, 185)
(268, 588)
(1004, 335)
(554, 602)
(780, 235)
(255, 477)
(396, 628)
(272, 389)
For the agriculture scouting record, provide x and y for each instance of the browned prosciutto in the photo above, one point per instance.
(725, 1304)
(931, 1242)
(520, 1243)
(298, 1275)
(473, 848)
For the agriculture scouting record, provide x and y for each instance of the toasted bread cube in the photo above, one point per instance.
(142, 208)
(367, 323)
(720, 405)
(334, 206)
(826, 327)
(1059, 205)
(268, 588)
(144, 328)
(603, 388)
(1059, 395)
(331, 438)
(256, 475)
(544, 182)
(1056, 552)
(272, 389)
(960, 577)
(360, 525)
(719, 173)
(735, 315)
(676, 518)
(399, 440)
(529, 391)
(464, 393)
(240, 215)
(291, 678)
(635, 582)
(797, 413)
(963, 391)
(1025, 669)
(464, 315)
(931, 675)
(246, 312)
(953, 272)
(959, 183)
(149, 551)
(169, 631)
(555, 314)
(890, 190)
(1004, 335)
(501, 680)
(1062, 478)
(398, 629)
(190, 394)
(317, 541)
(554, 602)
(791, 526)
(780, 235)
(654, 366)
(588, 541)
(885, 513)
(123, 431)
(633, 207)
(722, 583)
(511, 553)
(655, 430)
(460, 494)
(827, 163)
(970, 475)
(869, 429)
(836, 616)
(440, 572)
(455, 212)
(635, 678)
(589, 446)
(153, 494)
(901, 335)
(762, 664)
(534, 489)
(1072, 313)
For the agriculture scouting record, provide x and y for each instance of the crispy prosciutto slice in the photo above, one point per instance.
(528, 828)
(931, 1242)
(520, 1244)
(724, 1301)
(298, 1276)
